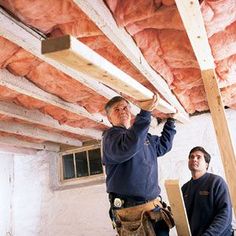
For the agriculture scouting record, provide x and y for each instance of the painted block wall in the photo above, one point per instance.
(32, 208)
(6, 192)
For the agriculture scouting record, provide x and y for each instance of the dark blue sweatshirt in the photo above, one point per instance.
(208, 206)
(130, 157)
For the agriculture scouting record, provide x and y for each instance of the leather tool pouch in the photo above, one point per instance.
(162, 214)
(141, 226)
(167, 216)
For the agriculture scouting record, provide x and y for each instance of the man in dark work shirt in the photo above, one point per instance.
(206, 198)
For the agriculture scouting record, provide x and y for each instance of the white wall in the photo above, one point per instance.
(6, 192)
(42, 211)
(32, 208)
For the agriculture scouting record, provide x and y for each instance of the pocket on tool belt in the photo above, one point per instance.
(167, 216)
(137, 227)
(162, 214)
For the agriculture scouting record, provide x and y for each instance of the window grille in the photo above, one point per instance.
(84, 162)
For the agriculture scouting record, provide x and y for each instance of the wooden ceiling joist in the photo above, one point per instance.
(71, 52)
(15, 142)
(23, 86)
(36, 117)
(33, 132)
(98, 12)
(193, 21)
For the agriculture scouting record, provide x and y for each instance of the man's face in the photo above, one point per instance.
(119, 114)
(197, 163)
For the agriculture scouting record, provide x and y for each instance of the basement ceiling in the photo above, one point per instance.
(45, 104)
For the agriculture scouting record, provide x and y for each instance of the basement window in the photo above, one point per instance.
(82, 166)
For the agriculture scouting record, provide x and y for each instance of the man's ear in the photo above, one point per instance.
(109, 118)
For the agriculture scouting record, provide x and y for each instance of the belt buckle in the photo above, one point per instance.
(118, 202)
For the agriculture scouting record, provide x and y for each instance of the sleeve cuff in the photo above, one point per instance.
(145, 113)
(171, 120)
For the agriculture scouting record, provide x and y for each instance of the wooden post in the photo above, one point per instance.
(222, 131)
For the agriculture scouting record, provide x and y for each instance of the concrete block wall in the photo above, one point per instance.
(32, 208)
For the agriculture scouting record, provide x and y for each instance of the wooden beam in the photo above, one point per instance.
(15, 142)
(28, 39)
(23, 86)
(33, 132)
(193, 21)
(101, 16)
(36, 117)
(71, 52)
(177, 207)
(222, 131)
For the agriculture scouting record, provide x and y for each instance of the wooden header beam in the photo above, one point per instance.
(193, 21)
(72, 53)
(177, 207)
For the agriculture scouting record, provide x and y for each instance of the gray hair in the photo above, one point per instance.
(113, 101)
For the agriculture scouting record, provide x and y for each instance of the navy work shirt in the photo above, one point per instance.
(130, 157)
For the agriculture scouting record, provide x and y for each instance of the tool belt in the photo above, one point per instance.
(138, 220)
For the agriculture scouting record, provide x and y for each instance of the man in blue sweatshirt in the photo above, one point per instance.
(206, 198)
(130, 158)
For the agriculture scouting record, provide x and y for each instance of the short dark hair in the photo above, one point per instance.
(207, 156)
(113, 101)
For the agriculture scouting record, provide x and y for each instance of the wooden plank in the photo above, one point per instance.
(36, 117)
(24, 86)
(222, 131)
(177, 207)
(33, 132)
(71, 52)
(26, 38)
(15, 142)
(98, 12)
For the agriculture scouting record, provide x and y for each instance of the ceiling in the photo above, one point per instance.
(45, 104)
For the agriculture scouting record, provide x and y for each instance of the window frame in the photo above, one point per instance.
(80, 181)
